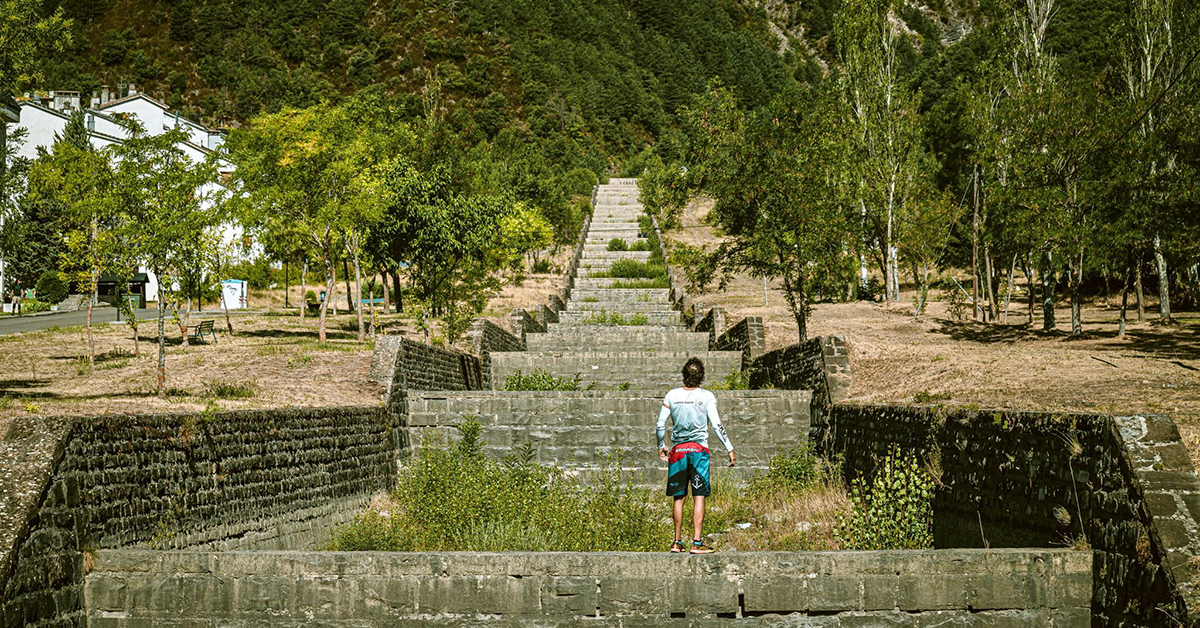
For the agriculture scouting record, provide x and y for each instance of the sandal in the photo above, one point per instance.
(699, 547)
(677, 547)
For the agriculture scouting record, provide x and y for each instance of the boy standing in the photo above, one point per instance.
(690, 409)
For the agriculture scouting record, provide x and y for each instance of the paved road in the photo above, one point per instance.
(16, 324)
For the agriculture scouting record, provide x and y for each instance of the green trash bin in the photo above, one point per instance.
(133, 301)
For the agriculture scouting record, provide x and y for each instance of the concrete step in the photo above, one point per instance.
(584, 431)
(584, 282)
(594, 338)
(625, 307)
(589, 318)
(621, 294)
(638, 370)
(608, 256)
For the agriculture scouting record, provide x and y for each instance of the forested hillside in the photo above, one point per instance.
(599, 78)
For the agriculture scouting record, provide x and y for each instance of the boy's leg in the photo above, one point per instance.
(678, 513)
(697, 517)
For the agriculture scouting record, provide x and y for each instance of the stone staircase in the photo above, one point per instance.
(624, 370)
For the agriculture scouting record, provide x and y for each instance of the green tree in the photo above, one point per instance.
(780, 182)
(80, 180)
(303, 170)
(171, 213)
(887, 129)
(27, 36)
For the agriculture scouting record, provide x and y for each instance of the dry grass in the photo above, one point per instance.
(273, 360)
(895, 356)
(790, 520)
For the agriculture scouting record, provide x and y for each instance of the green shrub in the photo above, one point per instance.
(617, 244)
(33, 306)
(51, 288)
(634, 269)
(311, 297)
(800, 469)
(454, 499)
(543, 267)
(640, 245)
(540, 379)
(735, 380)
(894, 510)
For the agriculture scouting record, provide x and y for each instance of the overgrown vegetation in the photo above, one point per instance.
(893, 509)
(616, 318)
(454, 499)
(540, 379)
(633, 269)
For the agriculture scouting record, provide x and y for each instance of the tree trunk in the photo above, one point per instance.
(975, 310)
(225, 306)
(1141, 301)
(349, 291)
(795, 296)
(1027, 270)
(184, 320)
(1164, 284)
(358, 292)
(398, 290)
(1075, 281)
(91, 341)
(329, 281)
(1048, 289)
(991, 284)
(162, 341)
(387, 300)
(286, 296)
(1124, 301)
(1012, 277)
(889, 253)
(303, 289)
(373, 305)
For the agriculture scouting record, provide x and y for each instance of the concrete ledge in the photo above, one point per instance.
(958, 587)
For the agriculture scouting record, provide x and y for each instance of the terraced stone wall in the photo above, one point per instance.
(967, 588)
(486, 337)
(278, 479)
(747, 336)
(1026, 479)
(820, 364)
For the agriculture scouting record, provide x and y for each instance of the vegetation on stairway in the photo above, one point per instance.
(540, 379)
(452, 498)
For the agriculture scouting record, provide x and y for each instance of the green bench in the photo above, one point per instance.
(197, 332)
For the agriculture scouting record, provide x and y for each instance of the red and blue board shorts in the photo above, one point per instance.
(688, 468)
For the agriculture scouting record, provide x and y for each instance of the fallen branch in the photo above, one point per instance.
(1105, 361)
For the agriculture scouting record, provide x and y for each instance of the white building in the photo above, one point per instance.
(45, 117)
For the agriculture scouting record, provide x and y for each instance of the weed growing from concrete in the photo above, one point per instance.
(617, 244)
(540, 379)
(893, 510)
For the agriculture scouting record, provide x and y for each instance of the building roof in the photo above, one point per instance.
(156, 103)
(11, 109)
(103, 136)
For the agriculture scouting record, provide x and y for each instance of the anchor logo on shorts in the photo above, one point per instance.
(697, 481)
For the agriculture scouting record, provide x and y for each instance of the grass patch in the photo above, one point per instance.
(540, 379)
(735, 380)
(457, 500)
(617, 244)
(454, 499)
(634, 269)
(591, 299)
(228, 389)
(616, 318)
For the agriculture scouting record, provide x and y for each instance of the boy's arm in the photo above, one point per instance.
(661, 430)
(715, 418)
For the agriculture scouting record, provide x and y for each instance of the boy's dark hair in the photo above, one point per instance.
(693, 373)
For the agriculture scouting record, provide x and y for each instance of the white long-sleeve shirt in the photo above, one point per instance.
(690, 410)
